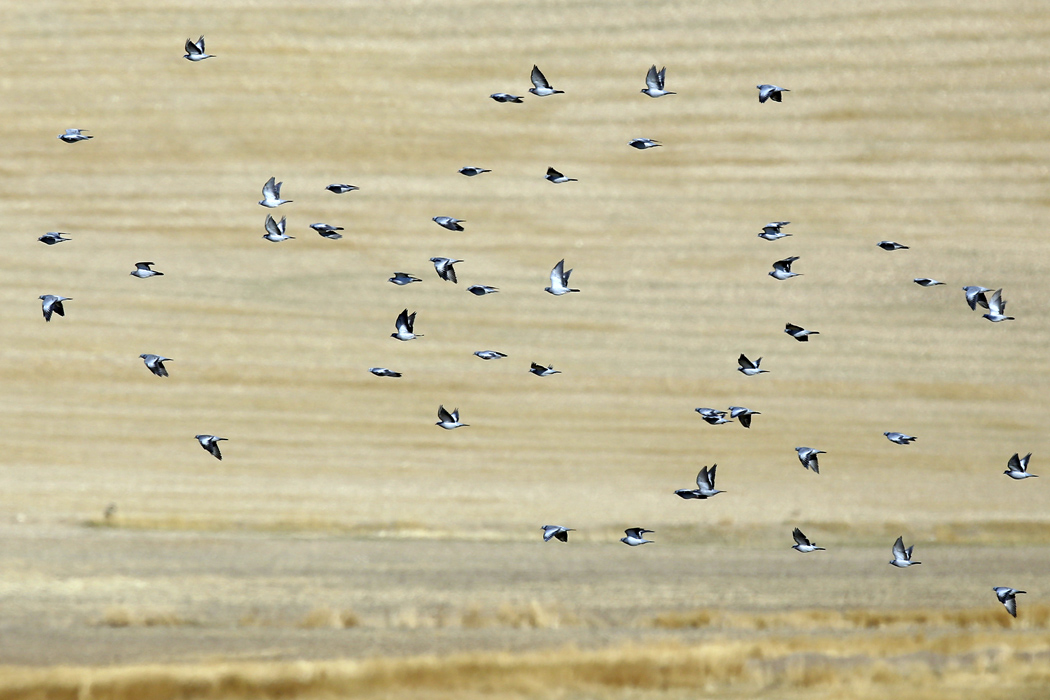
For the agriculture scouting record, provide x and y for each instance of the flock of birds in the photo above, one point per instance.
(559, 285)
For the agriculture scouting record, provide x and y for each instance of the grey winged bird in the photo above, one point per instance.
(327, 231)
(506, 97)
(635, 536)
(782, 269)
(926, 282)
(803, 544)
(195, 50)
(891, 245)
(480, 290)
(1017, 467)
(772, 232)
(541, 371)
(489, 354)
(902, 556)
(275, 230)
(383, 372)
(749, 368)
(643, 144)
(560, 280)
(654, 82)
(405, 323)
(975, 295)
(541, 88)
(997, 308)
(449, 421)
(808, 457)
(471, 171)
(142, 270)
(53, 237)
(713, 417)
(74, 135)
(155, 363)
(799, 333)
(211, 444)
(900, 438)
(705, 486)
(556, 177)
(1008, 597)
(449, 222)
(53, 303)
(557, 532)
(339, 188)
(403, 278)
(444, 269)
(770, 92)
(272, 194)
(743, 415)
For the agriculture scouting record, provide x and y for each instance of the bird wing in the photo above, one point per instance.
(549, 532)
(660, 76)
(898, 549)
(191, 48)
(268, 189)
(551, 172)
(799, 537)
(652, 79)
(402, 321)
(444, 416)
(792, 329)
(996, 305)
(410, 322)
(57, 307)
(538, 78)
(557, 275)
(144, 266)
(200, 43)
(271, 226)
(785, 264)
(635, 532)
(745, 363)
(1024, 462)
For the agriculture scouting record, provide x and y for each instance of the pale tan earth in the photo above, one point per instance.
(343, 525)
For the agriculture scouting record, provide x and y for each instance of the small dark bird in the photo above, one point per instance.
(155, 363)
(471, 171)
(53, 237)
(799, 333)
(556, 177)
(557, 532)
(541, 88)
(891, 245)
(338, 188)
(211, 444)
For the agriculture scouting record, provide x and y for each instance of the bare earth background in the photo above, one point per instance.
(347, 546)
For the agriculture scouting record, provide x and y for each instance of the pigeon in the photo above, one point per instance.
(748, 367)
(706, 412)
(975, 296)
(900, 438)
(339, 188)
(275, 230)
(772, 232)
(799, 333)
(643, 144)
(489, 354)
(541, 371)
(891, 245)
(195, 50)
(770, 92)
(1018, 467)
(712, 417)
(272, 195)
(560, 280)
(782, 269)
(542, 87)
(997, 308)
(383, 372)
(74, 135)
(155, 363)
(449, 421)
(405, 322)
(808, 457)
(53, 237)
(635, 536)
(142, 270)
(327, 231)
(52, 302)
(926, 282)
(471, 171)
(480, 290)
(803, 544)
(705, 486)
(403, 278)
(557, 532)
(448, 222)
(743, 415)
(211, 444)
(902, 556)
(444, 269)
(556, 177)
(1007, 596)
(655, 83)
(506, 97)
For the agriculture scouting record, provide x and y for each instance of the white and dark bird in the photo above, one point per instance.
(997, 308)
(471, 171)
(654, 81)
(53, 303)
(643, 144)
(782, 269)
(383, 372)
(749, 368)
(803, 544)
(557, 532)
(444, 269)
(541, 371)
(900, 438)
(275, 230)
(808, 457)
(403, 278)
(798, 332)
(926, 282)
(489, 354)
(1017, 467)
(902, 556)
(449, 421)
(743, 415)
(770, 92)
(74, 135)
(405, 323)
(340, 188)
(560, 280)
(705, 486)
(635, 536)
(142, 271)
(53, 237)
(540, 88)
(155, 364)
(506, 97)
(327, 231)
(480, 290)
(211, 444)
(891, 245)
(556, 177)
(976, 295)
(1008, 597)
(272, 194)
(195, 50)
(772, 232)
(449, 222)
(716, 418)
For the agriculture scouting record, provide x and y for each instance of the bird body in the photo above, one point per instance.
(902, 556)
(560, 280)
(770, 92)
(339, 188)
(142, 270)
(926, 282)
(540, 88)
(327, 231)
(74, 135)
(557, 178)
(557, 532)
(489, 354)
(803, 544)
(743, 415)
(1017, 467)
(471, 171)
(808, 457)
(405, 323)
(891, 245)
(444, 269)
(976, 295)
(782, 269)
(272, 194)
(53, 237)
(275, 230)
(195, 50)
(772, 232)
(506, 97)
(635, 536)
(449, 421)
(705, 486)
(449, 222)
(403, 278)
(211, 444)
(53, 303)
(654, 82)
(383, 372)
(900, 438)
(997, 308)
(749, 368)
(541, 371)
(643, 144)
(155, 363)
(799, 333)
(480, 290)
(1008, 597)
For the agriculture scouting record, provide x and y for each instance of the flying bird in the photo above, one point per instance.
(403, 278)
(808, 457)
(803, 544)
(799, 333)
(53, 237)
(557, 532)
(997, 308)
(142, 270)
(74, 135)
(635, 536)
(643, 144)
(53, 302)
(195, 50)
(713, 417)
(471, 171)
(155, 363)
(327, 231)
(655, 83)
(541, 87)
(705, 486)
(449, 421)
(339, 188)
(1007, 596)
(900, 438)
(1017, 467)
(556, 177)
(891, 245)
(480, 290)
(743, 415)
(444, 269)
(902, 556)
(976, 295)
(404, 324)
(772, 232)
(782, 269)
(275, 230)
(383, 372)
(448, 222)
(489, 354)
(272, 194)
(560, 280)
(541, 371)
(926, 282)
(211, 444)
(506, 97)
(770, 92)
(748, 367)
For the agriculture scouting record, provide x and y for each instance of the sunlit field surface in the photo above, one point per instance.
(345, 545)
